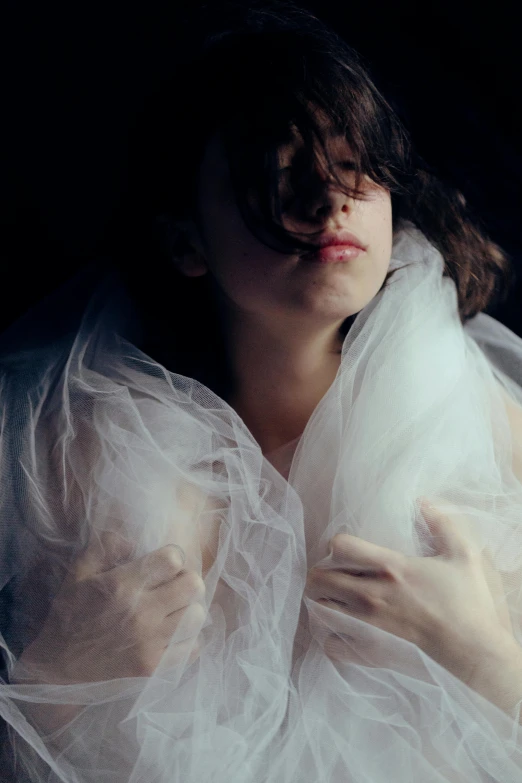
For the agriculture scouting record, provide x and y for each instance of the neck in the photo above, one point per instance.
(280, 379)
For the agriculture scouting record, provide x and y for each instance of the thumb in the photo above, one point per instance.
(105, 550)
(451, 528)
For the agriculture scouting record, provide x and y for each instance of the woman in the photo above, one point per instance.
(316, 618)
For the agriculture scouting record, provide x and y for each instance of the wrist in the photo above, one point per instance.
(497, 673)
(46, 716)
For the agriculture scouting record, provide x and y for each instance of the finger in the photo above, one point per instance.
(105, 550)
(183, 624)
(187, 588)
(153, 569)
(182, 653)
(362, 557)
(339, 586)
(450, 528)
(360, 605)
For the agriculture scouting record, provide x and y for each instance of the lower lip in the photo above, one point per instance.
(335, 254)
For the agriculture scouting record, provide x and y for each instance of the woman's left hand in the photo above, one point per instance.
(451, 605)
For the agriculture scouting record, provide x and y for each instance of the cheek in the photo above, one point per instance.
(232, 247)
(240, 263)
(379, 204)
(376, 215)
(228, 236)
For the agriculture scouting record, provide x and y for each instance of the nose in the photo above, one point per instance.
(328, 203)
(319, 201)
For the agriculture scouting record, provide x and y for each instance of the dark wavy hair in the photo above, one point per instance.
(253, 79)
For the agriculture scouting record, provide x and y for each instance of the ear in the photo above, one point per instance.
(191, 264)
(184, 245)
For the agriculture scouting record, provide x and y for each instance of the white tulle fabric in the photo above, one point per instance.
(97, 436)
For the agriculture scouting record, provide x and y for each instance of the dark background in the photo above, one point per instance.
(74, 74)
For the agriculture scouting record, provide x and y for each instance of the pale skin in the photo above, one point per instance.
(282, 321)
(282, 315)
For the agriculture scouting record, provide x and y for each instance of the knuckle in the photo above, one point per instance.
(115, 590)
(170, 559)
(337, 539)
(338, 543)
(470, 554)
(195, 584)
(395, 569)
(372, 603)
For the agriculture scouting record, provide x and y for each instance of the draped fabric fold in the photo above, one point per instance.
(97, 437)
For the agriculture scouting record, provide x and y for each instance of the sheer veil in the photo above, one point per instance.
(96, 437)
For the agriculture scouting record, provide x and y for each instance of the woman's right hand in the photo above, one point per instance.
(109, 621)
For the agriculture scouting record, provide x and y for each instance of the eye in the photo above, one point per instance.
(347, 165)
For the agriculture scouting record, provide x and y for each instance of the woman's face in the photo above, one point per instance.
(282, 289)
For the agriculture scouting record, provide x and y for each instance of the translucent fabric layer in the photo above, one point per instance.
(97, 438)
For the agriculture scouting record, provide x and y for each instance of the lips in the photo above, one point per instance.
(330, 239)
(335, 254)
